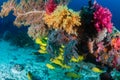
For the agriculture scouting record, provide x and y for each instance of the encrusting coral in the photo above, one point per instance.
(63, 18)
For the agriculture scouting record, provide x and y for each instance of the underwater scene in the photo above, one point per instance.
(59, 40)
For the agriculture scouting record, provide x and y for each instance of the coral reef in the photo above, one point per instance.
(67, 35)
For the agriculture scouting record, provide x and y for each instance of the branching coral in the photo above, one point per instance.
(27, 12)
(102, 18)
(63, 19)
(33, 17)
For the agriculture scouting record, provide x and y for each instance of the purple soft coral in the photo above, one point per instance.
(102, 18)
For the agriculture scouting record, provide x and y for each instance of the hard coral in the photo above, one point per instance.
(102, 18)
(63, 19)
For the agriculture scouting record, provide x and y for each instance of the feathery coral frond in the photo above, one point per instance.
(7, 7)
(27, 12)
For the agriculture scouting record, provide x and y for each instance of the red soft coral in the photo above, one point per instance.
(50, 6)
(102, 18)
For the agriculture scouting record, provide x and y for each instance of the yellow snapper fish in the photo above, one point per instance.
(50, 66)
(39, 41)
(97, 70)
(43, 47)
(58, 62)
(73, 59)
(62, 46)
(42, 51)
(72, 75)
(29, 75)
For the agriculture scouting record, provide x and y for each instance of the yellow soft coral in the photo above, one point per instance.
(63, 19)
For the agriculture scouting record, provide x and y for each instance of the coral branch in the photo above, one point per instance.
(27, 12)
(7, 7)
(31, 17)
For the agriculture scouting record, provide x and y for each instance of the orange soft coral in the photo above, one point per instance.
(63, 19)
(116, 43)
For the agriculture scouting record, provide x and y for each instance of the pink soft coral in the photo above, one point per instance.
(50, 6)
(102, 18)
